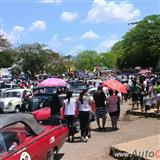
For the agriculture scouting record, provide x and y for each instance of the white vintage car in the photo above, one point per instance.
(12, 99)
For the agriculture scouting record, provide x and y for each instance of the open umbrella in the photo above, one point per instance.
(51, 82)
(115, 85)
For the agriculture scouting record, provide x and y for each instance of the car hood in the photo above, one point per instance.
(7, 100)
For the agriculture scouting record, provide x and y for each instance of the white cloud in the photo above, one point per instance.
(103, 11)
(107, 44)
(75, 50)
(90, 35)
(66, 39)
(54, 43)
(50, 1)
(38, 25)
(16, 33)
(69, 16)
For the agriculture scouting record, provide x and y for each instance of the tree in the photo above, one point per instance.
(86, 60)
(7, 55)
(7, 58)
(33, 58)
(141, 45)
(4, 43)
(55, 63)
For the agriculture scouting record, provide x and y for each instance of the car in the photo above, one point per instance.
(51, 90)
(77, 86)
(6, 86)
(12, 99)
(23, 138)
(40, 106)
(38, 101)
(43, 114)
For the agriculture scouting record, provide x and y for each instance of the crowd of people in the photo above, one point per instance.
(143, 90)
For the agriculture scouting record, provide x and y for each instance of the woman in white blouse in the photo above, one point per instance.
(69, 114)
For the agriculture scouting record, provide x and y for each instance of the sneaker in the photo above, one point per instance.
(68, 139)
(82, 139)
(85, 139)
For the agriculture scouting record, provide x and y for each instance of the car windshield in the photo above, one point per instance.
(38, 102)
(78, 88)
(11, 94)
(91, 92)
(2, 144)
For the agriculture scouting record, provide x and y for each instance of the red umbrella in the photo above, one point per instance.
(144, 71)
(115, 85)
(51, 82)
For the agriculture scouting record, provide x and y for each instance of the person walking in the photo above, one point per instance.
(147, 101)
(100, 99)
(84, 112)
(118, 104)
(112, 102)
(134, 94)
(157, 88)
(69, 114)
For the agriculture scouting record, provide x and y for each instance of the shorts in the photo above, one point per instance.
(134, 97)
(101, 112)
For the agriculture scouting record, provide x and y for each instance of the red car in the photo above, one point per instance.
(22, 138)
(43, 114)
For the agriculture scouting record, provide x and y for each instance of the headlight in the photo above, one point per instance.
(10, 103)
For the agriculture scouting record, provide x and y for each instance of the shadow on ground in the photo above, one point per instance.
(106, 129)
(59, 156)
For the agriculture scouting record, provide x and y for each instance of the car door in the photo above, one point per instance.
(25, 144)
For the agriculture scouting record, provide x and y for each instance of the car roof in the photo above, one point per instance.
(25, 118)
(43, 94)
(17, 90)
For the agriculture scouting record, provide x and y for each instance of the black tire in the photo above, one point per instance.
(50, 155)
(1, 111)
(17, 109)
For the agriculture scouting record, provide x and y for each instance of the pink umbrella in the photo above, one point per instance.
(52, 82)
(144, 71)
(115, 85)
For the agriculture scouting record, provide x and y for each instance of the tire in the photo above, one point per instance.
(1, 111)
(17, 109)
(50, 155)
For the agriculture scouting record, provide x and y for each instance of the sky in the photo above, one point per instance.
(71, 26)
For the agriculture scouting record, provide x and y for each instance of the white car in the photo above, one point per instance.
(6, 86)
(12, 99)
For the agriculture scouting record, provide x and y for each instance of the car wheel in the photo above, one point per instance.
(50, 155)
(17, 109)
(1, 111)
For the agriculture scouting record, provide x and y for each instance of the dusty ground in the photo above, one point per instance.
(98, 147)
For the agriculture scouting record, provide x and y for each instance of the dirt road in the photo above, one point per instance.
(97, 148)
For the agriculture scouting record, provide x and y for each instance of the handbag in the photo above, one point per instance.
(92, 117)
(75, 128)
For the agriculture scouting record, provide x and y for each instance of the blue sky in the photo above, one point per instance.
(70, 26)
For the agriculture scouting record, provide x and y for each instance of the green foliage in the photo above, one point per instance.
(33, 58)
(86, 60)
(141, 45)
(7, 58)
(4, 43)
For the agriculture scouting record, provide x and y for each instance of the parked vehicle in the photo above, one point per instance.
(50, 90)
(22, 138)
(6, 86)
(12, 99)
